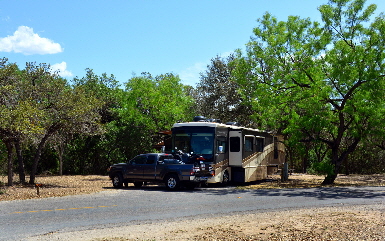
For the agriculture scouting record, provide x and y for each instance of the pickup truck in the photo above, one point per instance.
(159, 168)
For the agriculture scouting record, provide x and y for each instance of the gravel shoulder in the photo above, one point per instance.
(332, 223)
(365, 222)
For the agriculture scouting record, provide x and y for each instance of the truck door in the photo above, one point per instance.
(149, 167)
(135, 168)
(235, 146)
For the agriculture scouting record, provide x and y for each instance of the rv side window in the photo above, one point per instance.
(259, 143)
(235, 144)
(221, 146)
(275, 148)
(249, 143)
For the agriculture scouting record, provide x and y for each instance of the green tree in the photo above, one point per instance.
(217, 95)
(93, 154)
(149, 105)
(36, 104)
(319, 83)
(18, 115)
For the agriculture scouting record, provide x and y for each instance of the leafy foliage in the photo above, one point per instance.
(318, 83)
(217, 96)
(149, 105)
(36, 105)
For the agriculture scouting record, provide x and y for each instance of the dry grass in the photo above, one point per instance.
(57, 186)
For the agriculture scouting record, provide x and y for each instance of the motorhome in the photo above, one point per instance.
(236, 153)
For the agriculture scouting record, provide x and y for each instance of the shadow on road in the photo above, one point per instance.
(320, 193)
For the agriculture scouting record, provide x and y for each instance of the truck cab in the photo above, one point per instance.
(157, 167)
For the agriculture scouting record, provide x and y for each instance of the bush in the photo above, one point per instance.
(324, 167)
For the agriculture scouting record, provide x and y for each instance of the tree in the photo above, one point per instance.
(319, 83)
(92, 154)
(149, 105)
(36, 104)
(64, 108)
(18, 115)
(217, 95)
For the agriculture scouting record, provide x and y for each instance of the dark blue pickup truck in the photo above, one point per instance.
(159, 168)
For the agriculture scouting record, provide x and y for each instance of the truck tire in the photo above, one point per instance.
(117, 180)
(172, 182)
(138, 184)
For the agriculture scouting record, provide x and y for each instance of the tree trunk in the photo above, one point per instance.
(329, 179)
(9, 146)
(36, 158)
(337, 161)
(60, 149)
(20, 161)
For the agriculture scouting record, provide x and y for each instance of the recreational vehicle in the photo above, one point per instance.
(235, 153)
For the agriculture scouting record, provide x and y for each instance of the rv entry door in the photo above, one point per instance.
(235, 144)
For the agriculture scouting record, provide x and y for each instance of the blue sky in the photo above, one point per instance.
(129, 37)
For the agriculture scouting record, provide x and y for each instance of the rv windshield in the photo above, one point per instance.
(195, 143)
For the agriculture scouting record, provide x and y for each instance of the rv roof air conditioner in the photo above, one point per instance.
(233, 123)
(199, 119)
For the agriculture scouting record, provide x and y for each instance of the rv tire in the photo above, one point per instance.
(225, 179)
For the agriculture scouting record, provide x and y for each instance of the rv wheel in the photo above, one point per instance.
(225, 178)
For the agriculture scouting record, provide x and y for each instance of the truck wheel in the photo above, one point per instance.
(172, 182)
(117, 180)
(138, 184)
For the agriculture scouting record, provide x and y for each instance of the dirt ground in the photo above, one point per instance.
(332, 223)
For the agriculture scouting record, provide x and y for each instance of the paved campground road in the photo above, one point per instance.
(22, 220)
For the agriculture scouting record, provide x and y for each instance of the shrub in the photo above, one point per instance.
(324, 167)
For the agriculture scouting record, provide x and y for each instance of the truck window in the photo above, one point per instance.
(151, 159)
(138, 160)
(167, 160)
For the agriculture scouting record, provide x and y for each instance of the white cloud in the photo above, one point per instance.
(226, 54)
(61, 69)
(25, 41)
(6, 19)
(190, 76)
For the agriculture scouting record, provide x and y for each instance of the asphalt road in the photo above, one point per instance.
(28, 218)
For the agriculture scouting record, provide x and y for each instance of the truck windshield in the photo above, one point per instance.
(195, 143)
